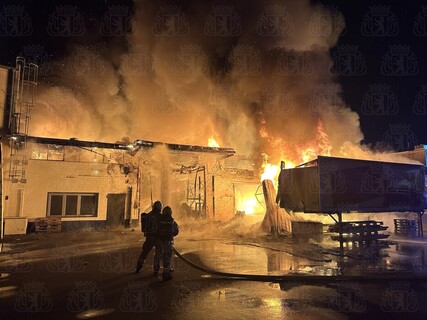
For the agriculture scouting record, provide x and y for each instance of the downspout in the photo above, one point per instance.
(2, 197)
(128, 207)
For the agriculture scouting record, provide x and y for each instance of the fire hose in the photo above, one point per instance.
(302, 279)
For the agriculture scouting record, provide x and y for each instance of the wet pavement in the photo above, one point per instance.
(84, 275)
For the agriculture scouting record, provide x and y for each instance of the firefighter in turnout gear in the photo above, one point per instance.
(167, 229)
(149, 226)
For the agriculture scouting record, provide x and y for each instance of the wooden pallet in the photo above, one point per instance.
(360, 238)
(54, 224)
(48, 224)
(407, 227)
(359, 231)
(357, 225)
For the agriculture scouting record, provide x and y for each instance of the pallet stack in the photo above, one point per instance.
(406, 227)
(359, 231)
(54, 224)
(41, 224)
(48, 224)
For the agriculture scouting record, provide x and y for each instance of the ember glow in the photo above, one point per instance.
(213, 143)
(271, 172)
(247, 205)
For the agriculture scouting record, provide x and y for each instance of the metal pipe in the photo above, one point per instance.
(213, 197)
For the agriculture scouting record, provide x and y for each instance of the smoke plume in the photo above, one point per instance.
(255, 75)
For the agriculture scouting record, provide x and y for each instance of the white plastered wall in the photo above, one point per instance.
(43, 176)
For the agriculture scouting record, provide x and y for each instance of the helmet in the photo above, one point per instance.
(167, 211)
(157, 206)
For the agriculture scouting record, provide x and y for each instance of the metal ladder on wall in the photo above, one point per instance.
(24, 89)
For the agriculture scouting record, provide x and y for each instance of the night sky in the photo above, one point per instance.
(396, 33)
(379, 59)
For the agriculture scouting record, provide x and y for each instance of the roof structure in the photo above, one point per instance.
(136, 145)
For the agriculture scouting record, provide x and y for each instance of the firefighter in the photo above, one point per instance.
(167, 229)
(149, 226)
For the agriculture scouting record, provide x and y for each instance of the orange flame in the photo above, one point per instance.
(247, 205)
(271, 172)
(213, 143)
(296, 154)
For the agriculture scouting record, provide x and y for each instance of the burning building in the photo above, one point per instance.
(90, 184)
(97, 184)
(254, 76)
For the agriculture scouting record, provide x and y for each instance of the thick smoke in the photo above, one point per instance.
(85, 100)
(255, 75)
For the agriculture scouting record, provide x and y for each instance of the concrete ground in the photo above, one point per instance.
(90, 274)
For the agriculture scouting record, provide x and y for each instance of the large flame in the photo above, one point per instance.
(270, 172)
(213, 143)
(296, 154)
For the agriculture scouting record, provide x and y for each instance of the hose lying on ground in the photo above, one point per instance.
(296, 277)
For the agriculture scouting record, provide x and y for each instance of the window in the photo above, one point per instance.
(72, 204)
(48, 152)
(55, 205)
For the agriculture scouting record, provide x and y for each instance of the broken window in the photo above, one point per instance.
(47, 152)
